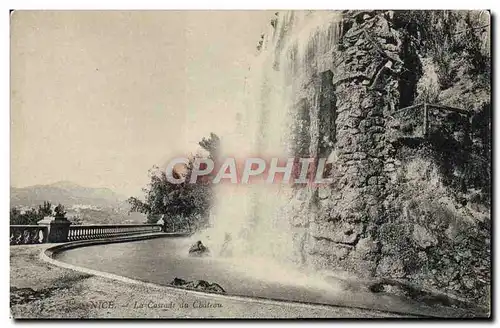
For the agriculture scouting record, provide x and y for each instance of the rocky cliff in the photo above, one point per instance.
(399, 101)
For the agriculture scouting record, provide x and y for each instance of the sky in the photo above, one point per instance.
(99, 97)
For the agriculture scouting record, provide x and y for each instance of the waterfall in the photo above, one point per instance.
(297, 46)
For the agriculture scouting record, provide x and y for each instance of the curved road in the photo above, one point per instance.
(160, 260)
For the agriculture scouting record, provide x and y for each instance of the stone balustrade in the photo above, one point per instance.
(86, 232)
(38, 234)
(28, 234)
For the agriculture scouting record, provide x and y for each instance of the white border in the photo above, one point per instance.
(190, 4)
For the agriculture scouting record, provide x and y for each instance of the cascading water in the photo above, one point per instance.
(248, 221)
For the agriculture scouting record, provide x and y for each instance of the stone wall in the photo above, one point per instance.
(379, 217)
(343, 233)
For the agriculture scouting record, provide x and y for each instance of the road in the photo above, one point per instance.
(160, 260)
(42, 290)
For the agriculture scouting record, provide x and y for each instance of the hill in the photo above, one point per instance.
(88, 205)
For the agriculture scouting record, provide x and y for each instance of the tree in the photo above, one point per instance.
(184, 204)
(16, 217)
(30, 216)
(212, 145)
(45, 209)
(59, 212)
(76, 220)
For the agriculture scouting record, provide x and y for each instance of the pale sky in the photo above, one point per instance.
(98, 98)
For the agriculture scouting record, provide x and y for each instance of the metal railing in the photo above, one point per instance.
(416, 120)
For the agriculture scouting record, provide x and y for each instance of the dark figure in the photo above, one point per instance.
(198, 285)
(224, 249)
(198, 249)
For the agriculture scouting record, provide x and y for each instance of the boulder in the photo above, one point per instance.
(198, 249)
(200, 285)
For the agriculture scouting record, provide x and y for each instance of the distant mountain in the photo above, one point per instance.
(90, 205)
(66, 193)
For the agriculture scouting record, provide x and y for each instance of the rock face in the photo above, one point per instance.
(365, 89)
(394, 208)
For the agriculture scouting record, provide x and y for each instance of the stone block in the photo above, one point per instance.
(338, 232)
(390, 267)
(367, 246)
(423, 237)
(324, 192)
